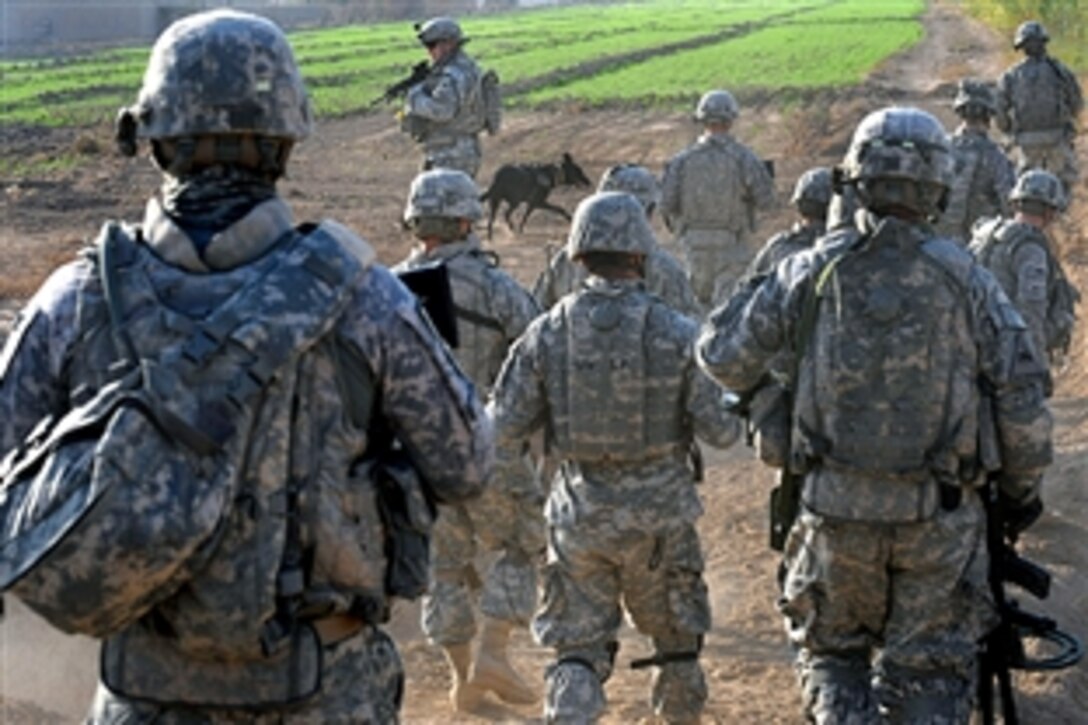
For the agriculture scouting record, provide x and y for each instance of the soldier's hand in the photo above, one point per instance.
(1019, 515)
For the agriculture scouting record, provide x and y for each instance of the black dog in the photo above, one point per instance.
(530, 184)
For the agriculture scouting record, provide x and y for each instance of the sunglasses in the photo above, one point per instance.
(431, 44)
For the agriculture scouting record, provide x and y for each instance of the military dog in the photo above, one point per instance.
(530, 184)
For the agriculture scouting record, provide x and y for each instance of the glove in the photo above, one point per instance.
(1019, 515)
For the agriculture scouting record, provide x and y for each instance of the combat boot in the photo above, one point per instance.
(492, 670)
(464, 695)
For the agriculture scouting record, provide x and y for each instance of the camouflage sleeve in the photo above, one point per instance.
(741, 338)
(1030, 297)
(554, 281)
(1074, 97)
(763, 262)
(518, 404)
(1013, 370)
(706, 406)
(670, 194)
(758, 181)
(438, 99)
(430, 404)
(35, 356)
(1003, 116)
(513, 305)
(674, 285)
(1004, 178)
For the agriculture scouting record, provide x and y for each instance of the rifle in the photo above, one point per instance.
(1002, 649)
(431, 286)
(391, 93)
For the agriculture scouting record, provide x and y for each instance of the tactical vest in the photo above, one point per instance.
(482, 339)
(711, 189)
(1038, 97)
(996, 246)
(886, 389)
(621, 395)
(954, 219)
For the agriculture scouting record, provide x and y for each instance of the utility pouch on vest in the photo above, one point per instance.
(409, 515)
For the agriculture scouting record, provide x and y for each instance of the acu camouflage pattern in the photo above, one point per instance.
(1021, 257)
(60, 344)
(800, 237)
(445, 114)
(492, 310)
(983, 178)
(621, 525)
(446, 193)
(1038, 101)
(610, 221)
(218, 72)
(914, 594)
(709, 197)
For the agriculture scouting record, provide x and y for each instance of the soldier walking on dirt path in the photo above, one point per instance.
(1020, 253)
(446, 111)
(898, 338)
(984, 176)
(1038, 102)
(492, 310)
(665, 276)
(608, 374)
(261, 633)
(709, 198)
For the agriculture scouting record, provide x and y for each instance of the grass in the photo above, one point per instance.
(1065, 20)
(634, 51)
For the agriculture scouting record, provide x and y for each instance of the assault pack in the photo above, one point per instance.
(187, 500)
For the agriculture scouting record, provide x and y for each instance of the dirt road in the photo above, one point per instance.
(358, 169)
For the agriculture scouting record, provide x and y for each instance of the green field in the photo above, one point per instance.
(652, 51)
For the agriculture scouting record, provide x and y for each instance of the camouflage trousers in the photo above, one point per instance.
(462, 153)
(715, 259)
(658, 575)
(886, 617)
(362, 682)
(1059, 159)
(508, 520)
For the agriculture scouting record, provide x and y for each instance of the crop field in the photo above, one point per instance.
(652, 51)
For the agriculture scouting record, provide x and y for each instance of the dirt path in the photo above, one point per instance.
(357, 169)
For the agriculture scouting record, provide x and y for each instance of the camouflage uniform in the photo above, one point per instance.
(885, 595)
(710, 193)
(664, 276)
(491, 310)
(984, 176)
(811, 195)
(1039, 100)
(608, 374)
(1022, 258)
(211, 233)
(444, 112)
(507, 517)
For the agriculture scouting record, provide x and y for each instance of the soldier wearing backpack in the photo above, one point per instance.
(899, 340)
(1019, 252)
(491, 311)
(1038, 102)
(984, 176)
(447, 110)
(221, 369)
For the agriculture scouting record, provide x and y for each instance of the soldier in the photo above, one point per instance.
(710, 193)
(608, 374)
(1019, 252)
(811, 197)
(222, 104)
(445, 112)
(492, 310)
(983, 174)
(897, 335)
(665, 277)
(1038, 101)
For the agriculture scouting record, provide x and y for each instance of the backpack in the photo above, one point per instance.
(120, 511)
(491, 102)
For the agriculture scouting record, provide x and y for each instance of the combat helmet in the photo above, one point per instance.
(221, 72)
(1039, 186)
(812, 192)
(899, 157)
(438, 29)
(1029, 31)
(638, 181)
(610, 221)
(717, 106)
(974, 98)
(438, 199)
